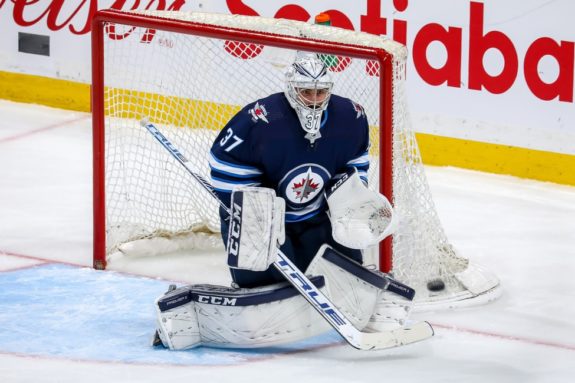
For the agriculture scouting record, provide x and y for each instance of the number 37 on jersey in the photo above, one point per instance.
(230, 140)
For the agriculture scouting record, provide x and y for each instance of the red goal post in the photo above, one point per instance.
(189, 72)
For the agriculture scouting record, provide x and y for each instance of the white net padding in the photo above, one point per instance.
(190, 86)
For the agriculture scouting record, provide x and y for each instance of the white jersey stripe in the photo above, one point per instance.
(297, 215)
(232, 169)
(362, 160)
(228, 186)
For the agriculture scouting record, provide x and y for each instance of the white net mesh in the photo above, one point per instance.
(190, 86)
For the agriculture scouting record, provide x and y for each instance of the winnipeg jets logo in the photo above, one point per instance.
(305, 188)
(259, 112)
(303, 184)
(358, 109)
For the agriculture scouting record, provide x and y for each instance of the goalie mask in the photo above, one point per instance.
(308, 89)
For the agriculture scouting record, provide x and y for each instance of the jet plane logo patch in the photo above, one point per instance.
(304, 184)
(305, 188)
(360, 112)
(259, 112)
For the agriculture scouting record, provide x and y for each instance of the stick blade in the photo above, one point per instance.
(400, 337)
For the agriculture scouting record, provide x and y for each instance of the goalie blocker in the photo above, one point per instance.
(256, 228)
(218, 316)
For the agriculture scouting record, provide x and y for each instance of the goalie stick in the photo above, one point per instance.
(356, 338)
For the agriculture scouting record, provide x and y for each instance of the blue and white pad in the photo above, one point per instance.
(365, 297)
(176, 319)
(351, 287)
(256, 228)
(218, 316)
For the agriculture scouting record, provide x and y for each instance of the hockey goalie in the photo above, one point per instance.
(291, 169)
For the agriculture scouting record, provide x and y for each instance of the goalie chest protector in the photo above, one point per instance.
(265, 145)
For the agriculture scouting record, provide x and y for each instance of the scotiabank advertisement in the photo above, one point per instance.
(492, 71)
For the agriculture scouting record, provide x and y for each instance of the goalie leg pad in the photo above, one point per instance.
(391, 312)
(369, 299)
(350, 286)
(176, 320)
(237, 318)
(256, 228)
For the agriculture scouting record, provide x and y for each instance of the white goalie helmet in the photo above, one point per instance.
(308, 89)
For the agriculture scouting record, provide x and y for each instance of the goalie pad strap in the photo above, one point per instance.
(377, 279)
(355, 268)
(174, 299)
(226, 296)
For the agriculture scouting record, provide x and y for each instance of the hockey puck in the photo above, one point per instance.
(435, 285)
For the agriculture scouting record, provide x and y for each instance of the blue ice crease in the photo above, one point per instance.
(79, 313)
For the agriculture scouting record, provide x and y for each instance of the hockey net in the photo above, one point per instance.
(189, 73)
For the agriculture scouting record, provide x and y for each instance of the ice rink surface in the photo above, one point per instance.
(61, 321)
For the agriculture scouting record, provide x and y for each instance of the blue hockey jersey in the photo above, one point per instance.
(265, 145)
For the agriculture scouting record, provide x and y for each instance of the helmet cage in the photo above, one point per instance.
(303, 94)
(308, 90)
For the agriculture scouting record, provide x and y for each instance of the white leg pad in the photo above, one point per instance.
(176, 320)
(218, 316)
(268, 322)
(352, 288)
(360, 293)
(391, 312)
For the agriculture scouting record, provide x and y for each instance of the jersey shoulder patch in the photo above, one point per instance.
(359, 111)
(268, 110)
(259, 112)
(348, 107)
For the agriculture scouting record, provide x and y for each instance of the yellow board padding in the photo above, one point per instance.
(170, 110)
(501, 159)
(62, 94)
(435, 150)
